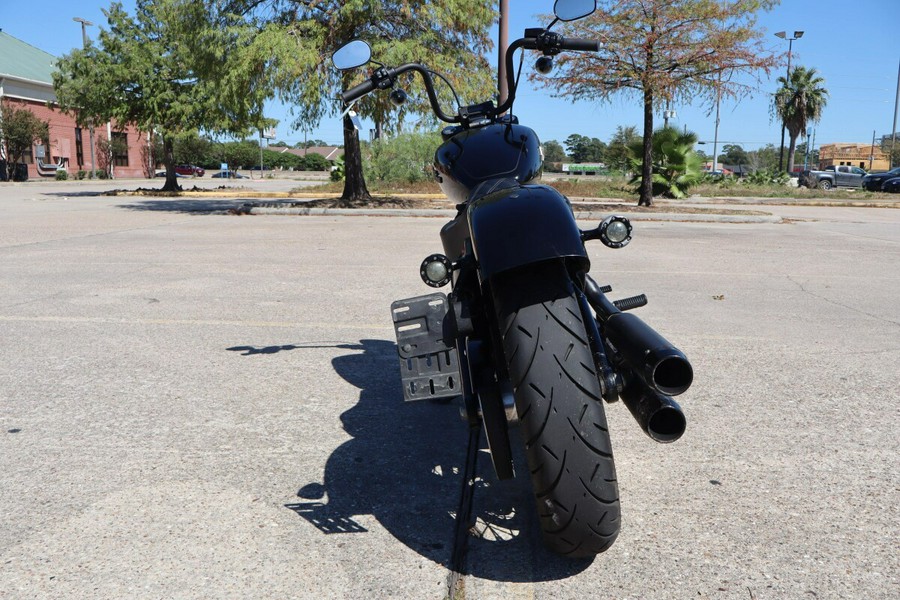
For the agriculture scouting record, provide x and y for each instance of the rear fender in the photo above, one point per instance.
(522, 225)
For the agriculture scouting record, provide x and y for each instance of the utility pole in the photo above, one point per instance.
(502, 86)
(894, 127)
(716, 135)
(783, 35)
(872, 151)
(806, 156)
(84, 44)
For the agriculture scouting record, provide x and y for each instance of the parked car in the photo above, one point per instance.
(190, 170)
(833, 176)
(891, 186)
(228, 175)
(873, 181)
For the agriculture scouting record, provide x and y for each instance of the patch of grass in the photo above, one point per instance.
(377, 187)
(596, 187)
(618, 188)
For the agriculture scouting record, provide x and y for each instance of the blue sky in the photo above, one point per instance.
(854, 46)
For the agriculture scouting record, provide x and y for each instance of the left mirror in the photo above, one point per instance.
(572, 10)
(351, 55)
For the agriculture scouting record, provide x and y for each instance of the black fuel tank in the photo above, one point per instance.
(495, 151)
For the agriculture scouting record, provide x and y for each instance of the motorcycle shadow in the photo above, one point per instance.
(406, 467)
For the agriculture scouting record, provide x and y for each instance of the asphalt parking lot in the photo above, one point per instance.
(203, 405)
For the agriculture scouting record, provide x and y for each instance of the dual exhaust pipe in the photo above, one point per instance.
(653, 370)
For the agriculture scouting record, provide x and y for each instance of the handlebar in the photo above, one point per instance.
(547, 42)
(384, 79)
(579, 45)
(357, 91)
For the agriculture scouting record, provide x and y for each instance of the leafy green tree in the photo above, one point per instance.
(239, 155)
(176, 66)
(19, 131)
(451, 36)
(764, 159)
(618, 155)
(583, 149)
(733, 154)
(676, 167)
(311, 144)
(663, 51)
(553, 152)
(799, 101)
(800, 156)
(193, 149)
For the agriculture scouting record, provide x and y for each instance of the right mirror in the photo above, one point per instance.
(571, 10)
(351, 55)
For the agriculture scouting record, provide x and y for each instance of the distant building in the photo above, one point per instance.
(864, 156)
(26, 81)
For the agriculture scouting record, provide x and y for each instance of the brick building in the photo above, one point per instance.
(26, 82)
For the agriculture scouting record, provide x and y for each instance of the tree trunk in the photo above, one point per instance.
(354, 183)
(791, 149)
(646, 190)
(169, 161)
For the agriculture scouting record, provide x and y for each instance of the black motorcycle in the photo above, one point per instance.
(527, 336)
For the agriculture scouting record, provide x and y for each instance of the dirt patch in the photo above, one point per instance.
(158, 192)
(375, 202)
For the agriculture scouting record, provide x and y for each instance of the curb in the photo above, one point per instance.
(251, 209)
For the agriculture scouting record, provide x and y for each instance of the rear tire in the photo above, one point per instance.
(560, 409)
(825, 185)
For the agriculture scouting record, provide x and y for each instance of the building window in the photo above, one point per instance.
(79, 149)
(120, 149)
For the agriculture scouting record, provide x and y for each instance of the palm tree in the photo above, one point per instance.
(675, 167)
(798, 102)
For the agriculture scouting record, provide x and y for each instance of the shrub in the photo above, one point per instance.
(676, 167)
(337, 173)
(61, 175)
(406, 158)
(767, 177)
(315, 162)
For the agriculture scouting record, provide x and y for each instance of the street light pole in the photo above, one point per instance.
(783, 35)
(84, 43)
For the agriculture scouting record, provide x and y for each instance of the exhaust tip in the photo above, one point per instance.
(673, 375)
(666, 425)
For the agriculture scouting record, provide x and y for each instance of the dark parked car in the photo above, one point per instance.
(190, 170)
(228, 175)
(873, 181)
(891, 185)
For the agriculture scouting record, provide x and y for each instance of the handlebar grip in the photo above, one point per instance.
(358, 91)
(580, 44)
